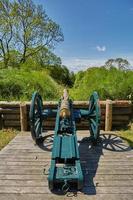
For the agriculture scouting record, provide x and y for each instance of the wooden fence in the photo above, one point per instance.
(114, 115)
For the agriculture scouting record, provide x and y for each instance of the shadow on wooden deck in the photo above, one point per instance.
(90, 157)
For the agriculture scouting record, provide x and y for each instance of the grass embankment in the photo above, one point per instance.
(20, 84)
(127, 136)
(6, 136)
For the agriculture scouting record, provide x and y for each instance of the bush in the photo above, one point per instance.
(112, 84)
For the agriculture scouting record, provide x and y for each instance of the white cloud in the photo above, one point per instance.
(101, 48)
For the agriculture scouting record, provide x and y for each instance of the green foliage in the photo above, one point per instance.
(61, 75)
(112, 84)
(20, 84)
(58, 72)
(41, 60)
(45, 57)
(23, 26)
(119, 63)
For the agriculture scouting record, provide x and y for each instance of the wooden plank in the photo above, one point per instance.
(27, 171)
(120, 118)
(12, 123)
(10, 111)
(104, 183)
(85, 167)
(114, 117)
(88, 183)
(70, 195)
(98, 177)
(22, 177)
(11, 104)
(100, 151)
(122, 111)
(41, 152)
(55, 103)
(83, 151)
(104, 164)
(86, 190)
(47, 159)
(120, 123)
(108, 190)
(25, 183)
(122, 103)
(11, 117)
(91, 168)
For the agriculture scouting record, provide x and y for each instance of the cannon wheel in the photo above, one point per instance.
(94, 117)
(36, 117)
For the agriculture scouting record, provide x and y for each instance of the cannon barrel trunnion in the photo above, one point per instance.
(65, 171)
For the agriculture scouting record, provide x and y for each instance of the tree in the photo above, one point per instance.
(109, 63)
(119, 63)
(14, 59)
(24, 26)
(33, 28)
(122, 63)
(45, 57)
(42, 59)
(6, 30)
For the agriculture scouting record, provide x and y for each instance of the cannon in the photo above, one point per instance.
(65, 170)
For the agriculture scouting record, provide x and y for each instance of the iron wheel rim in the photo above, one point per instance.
(36, 116)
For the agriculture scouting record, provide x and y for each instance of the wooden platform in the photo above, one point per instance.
(107, 168)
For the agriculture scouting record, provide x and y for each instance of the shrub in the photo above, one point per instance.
(112, 84)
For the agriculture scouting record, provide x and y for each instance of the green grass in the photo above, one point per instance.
(127, 136)
(20, 84)
(6, 136)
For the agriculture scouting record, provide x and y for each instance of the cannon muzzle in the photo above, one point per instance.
(65, 108)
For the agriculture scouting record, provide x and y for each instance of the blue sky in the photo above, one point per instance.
(94, 30)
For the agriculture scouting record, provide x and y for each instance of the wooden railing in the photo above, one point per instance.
(114, 114)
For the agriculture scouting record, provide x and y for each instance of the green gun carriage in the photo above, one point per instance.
(65, 172)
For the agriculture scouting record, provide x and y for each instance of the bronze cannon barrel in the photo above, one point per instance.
(64, 108)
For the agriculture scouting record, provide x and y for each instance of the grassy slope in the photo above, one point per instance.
(6, 136)
(20, 84)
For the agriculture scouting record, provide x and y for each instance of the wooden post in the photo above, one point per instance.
(1, 122)
(108, 115)
(23, 117)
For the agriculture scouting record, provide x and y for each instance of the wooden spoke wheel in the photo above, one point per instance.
(36, 117)
(94, 117)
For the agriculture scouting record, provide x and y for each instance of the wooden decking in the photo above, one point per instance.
(107, 168)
